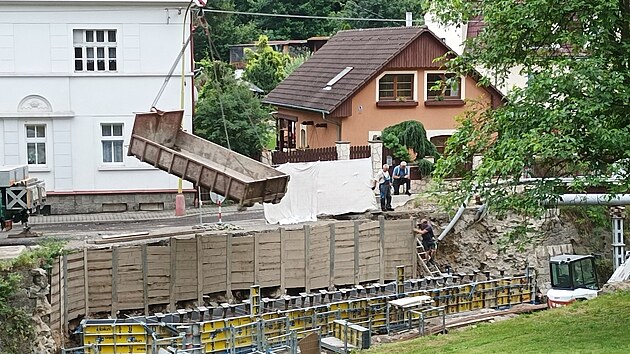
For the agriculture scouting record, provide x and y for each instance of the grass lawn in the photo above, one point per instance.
(601, 325)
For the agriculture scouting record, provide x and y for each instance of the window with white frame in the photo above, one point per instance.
(95, 50)
(36, 144)
(112, 142)
(444, 86)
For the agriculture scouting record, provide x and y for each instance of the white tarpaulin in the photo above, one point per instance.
(622, 273)
(323, 188)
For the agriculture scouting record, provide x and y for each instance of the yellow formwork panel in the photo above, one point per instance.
(99, 339)
(216, 335)
(503, 292)
(217, 346)
(243, 342)
(120, 349)
(129, 328)
(213, 325)
(477, 299)
(99, 329)
(452, 301)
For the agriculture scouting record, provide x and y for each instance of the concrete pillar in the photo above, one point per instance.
(617, 214)
(343, 150)
(476, 161)
(265, 157)
(376, 154)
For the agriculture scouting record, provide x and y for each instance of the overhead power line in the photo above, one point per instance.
(306, 16)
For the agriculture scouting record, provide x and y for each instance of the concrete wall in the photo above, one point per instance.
(41, 86)
(185, 269)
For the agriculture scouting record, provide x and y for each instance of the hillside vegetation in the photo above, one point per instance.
(601, 325)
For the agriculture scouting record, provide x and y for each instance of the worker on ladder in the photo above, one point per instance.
(428, 239)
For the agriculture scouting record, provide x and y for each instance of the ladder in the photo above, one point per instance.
(427, 268)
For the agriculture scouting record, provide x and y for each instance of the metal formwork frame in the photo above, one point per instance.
(238, 331)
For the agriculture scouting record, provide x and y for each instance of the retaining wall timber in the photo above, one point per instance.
(185, 268)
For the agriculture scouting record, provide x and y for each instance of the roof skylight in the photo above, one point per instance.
(337, 78)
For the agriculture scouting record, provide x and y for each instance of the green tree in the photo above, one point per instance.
(265, 66)
(407, 135)
(378, 9)
(228, 111)
(293, 63)
(223, 30)
(572, 119)
(290, 28)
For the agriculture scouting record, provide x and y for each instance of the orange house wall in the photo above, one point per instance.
(371, 117)
(315, 137)
(366, 116)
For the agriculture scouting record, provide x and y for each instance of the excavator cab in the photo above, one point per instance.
(573, 277)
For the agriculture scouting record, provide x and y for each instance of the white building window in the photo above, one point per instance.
(112, 141)
(94, 50)
(36, 144)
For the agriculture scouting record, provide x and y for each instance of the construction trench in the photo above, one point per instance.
(264, 291)
(329, 285)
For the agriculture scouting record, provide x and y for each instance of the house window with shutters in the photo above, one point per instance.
(95, 50)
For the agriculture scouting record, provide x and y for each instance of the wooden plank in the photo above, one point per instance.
(256, 258)
(118, 236)
(356, 252)
(65, 318)
(381, 248)
(307, 258)
(331, 260)
(282, 261)
(228, 267)
(414, 263)
(199, 253)
(114, 282)
(145, 280)
(86, 285)
(172, 275)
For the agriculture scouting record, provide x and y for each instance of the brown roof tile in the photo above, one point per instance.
(365, 50)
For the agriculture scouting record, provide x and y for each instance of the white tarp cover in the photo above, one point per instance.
(622, 273)
(323, 188)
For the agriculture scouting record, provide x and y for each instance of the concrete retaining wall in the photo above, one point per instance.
(132, 278)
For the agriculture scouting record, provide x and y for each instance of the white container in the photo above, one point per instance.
(9, 175)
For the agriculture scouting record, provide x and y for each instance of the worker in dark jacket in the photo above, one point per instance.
(428, 238)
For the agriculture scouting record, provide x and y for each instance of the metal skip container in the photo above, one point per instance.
(158, 139)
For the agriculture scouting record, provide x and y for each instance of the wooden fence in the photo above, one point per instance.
(133, 278)
(360, 152)
(319, 154)
(308, 155)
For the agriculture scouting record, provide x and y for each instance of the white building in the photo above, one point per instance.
(454, 37)
(72, 74)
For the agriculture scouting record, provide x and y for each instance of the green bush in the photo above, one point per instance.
(407, 135)
(17, 333)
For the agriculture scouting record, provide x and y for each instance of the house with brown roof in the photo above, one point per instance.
(362, 81)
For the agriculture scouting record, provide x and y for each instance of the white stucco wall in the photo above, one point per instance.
(37, 61)
(454, 37)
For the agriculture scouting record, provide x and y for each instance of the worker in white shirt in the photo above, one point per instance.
(384, 182)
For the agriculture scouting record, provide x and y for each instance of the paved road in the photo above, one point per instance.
(82, 227)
